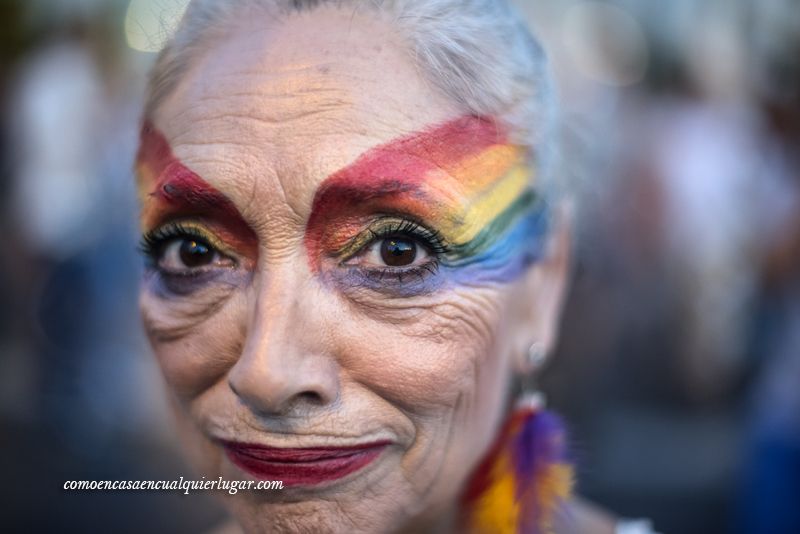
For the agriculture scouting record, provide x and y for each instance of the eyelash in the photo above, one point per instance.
(432, 240)
(153, 242)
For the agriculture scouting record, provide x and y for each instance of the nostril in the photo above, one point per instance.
(234, 388)
(311, 397)
(263, 405)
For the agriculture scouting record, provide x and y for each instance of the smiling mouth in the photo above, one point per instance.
(302, 466)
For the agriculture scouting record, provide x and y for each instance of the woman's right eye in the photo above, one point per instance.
(185, 255)
(183, 260)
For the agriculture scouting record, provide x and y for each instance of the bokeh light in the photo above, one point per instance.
(605, 43)
(150, 23)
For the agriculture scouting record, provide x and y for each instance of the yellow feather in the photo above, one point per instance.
(496, 511)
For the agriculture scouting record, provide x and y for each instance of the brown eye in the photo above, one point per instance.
(194, 253)
(398, 252)
(395, 251)
(184, 254)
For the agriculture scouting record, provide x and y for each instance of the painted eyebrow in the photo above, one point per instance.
(170, 190)
(404, 165)
(402, 176)
(183, 193)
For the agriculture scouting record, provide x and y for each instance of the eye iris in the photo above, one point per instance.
(398, 252)
(195, 254)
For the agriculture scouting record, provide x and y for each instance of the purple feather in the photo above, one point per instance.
(539, 442)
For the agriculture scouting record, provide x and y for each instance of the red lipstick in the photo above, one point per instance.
(304, 466)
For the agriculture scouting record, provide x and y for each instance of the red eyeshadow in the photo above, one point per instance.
(171, 191)
(392, 177)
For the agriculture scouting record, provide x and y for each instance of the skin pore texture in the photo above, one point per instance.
(288, 155)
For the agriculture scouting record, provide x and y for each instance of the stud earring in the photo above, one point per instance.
(536, 356)
(530, 397)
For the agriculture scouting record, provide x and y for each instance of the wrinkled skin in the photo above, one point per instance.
(277, 356)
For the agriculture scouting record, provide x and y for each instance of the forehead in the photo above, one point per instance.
(280, 104)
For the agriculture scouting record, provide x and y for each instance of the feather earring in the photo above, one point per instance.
(525, 477)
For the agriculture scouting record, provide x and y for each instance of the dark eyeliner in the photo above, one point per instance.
(152, 243)
(388, 227)
(391, 226)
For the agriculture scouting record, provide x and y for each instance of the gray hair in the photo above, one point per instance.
(478, 52)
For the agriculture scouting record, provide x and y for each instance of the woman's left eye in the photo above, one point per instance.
(395, 251)
(184, 254)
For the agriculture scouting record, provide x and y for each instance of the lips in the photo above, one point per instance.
(302, 466)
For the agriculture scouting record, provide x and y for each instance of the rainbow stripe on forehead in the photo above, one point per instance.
(462, 179)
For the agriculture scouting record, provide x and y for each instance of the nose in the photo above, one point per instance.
(284, 365)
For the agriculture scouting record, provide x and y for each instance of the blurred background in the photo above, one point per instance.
(679, 364)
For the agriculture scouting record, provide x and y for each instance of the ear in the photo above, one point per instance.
(542, 291)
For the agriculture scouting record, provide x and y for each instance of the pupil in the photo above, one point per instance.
(195, 254)
(398, 252)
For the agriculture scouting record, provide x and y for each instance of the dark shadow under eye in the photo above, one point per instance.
(398, 251)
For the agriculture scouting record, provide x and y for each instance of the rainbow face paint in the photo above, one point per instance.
(169, 191)
(463, 181)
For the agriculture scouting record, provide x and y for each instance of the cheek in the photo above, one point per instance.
(478, 360)
(203, 354)
(425, 363)
(203, 455)
(424, 358)
(447, 369)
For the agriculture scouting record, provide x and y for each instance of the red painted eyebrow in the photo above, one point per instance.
(394, 174)
(184, 193)
(401, 166)
(173, 191)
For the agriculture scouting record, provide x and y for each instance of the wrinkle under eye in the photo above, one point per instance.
(186, 256)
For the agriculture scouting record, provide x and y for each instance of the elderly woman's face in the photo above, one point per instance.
(337, 257)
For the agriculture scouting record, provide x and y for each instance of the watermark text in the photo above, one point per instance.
(231, 486)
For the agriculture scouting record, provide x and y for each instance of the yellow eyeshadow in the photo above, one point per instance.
(464, 219)
(467, 224)
(478, 172)
(365, 237)
(203, 233)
